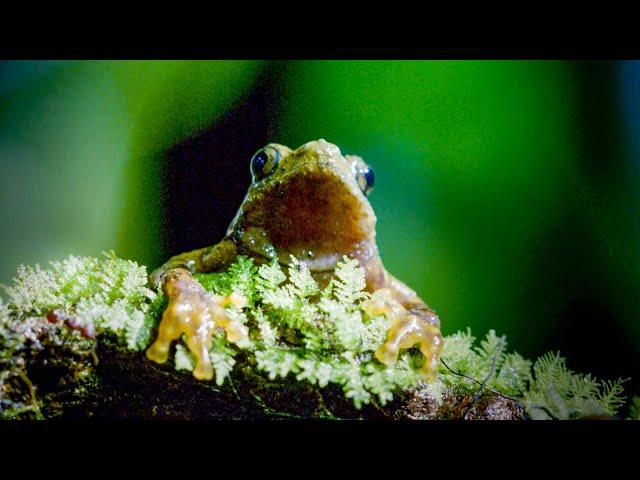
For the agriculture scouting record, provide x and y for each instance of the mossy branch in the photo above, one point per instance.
(72, 341)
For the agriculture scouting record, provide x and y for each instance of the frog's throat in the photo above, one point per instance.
(311, 206)
(255, 243)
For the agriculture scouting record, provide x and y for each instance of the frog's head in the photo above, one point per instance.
(310, 203)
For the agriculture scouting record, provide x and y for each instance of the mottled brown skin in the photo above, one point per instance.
(311, 204)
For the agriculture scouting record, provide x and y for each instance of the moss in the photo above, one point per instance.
(557, 392)
(298, 334)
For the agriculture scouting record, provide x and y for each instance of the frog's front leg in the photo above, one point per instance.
(407, 329)
(412, 321)
(194, 313)
(206, 259)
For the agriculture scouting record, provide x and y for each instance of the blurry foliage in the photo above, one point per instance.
(634, 409)
(79, 150)
(472, 159)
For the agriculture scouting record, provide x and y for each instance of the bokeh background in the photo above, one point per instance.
(507, 192)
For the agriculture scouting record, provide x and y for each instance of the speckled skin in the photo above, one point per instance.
(311, 205)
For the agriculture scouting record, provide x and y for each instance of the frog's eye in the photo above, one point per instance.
(264, 163)
(366, 178)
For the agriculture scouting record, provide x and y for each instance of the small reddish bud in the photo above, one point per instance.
(54, 316)
(73, 322)
(88, 330)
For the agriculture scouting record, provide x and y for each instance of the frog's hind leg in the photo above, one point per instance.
(168, 331)
(199, 345)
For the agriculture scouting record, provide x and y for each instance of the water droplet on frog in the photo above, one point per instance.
(270, 251)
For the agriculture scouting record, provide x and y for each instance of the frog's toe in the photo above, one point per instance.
(234, 330)
(387, 353)
(203, 371)
(158, 352)
(168, 332)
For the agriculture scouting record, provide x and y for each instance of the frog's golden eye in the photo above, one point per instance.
(264, 162)
(366, 178)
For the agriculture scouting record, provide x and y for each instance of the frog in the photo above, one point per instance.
(310, 206)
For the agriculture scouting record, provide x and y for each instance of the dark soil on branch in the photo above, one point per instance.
(58, 373)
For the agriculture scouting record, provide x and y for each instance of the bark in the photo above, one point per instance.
(58, 373)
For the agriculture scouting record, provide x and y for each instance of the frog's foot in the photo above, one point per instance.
(408, 328)
(196, 314)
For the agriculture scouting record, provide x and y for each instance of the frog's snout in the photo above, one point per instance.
(322, 148)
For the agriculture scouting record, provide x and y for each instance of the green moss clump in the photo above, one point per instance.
(315, 335)
(301, 332)
(110, 292)
(557, 392)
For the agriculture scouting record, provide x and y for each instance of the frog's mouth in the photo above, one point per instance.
(316, 216)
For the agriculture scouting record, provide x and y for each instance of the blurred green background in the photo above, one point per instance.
(506, 191)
